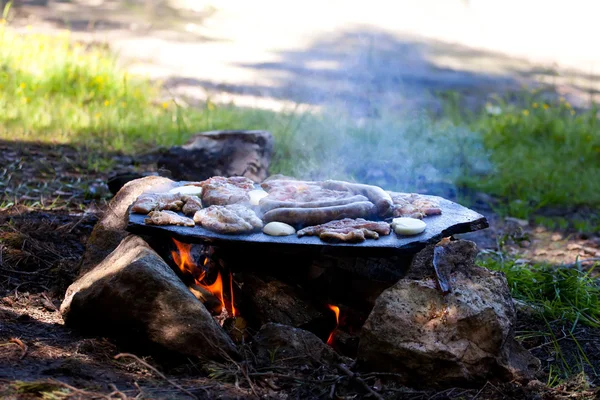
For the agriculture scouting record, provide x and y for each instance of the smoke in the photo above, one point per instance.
(360, 134)
(401, 153)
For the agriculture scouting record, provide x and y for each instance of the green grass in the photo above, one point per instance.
(558, 293)
(57, 91)
(530, 156)
(544, 153)
(563, 298)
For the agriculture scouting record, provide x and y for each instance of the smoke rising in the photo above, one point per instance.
(401, 153)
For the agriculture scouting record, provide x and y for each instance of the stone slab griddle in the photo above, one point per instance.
(453, 220)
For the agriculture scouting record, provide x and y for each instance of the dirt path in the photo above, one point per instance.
(353, 55)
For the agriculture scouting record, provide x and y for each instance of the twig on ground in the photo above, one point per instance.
(358, 379)
(144, 363)
(480, 390)
(244, 372)
(243, 368)
(48, 303)
(140, 391)
(22, 345)
(85, 393)
(333, 387)
(116, 392)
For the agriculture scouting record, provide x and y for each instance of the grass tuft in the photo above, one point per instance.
(544, 152)
(559, 293)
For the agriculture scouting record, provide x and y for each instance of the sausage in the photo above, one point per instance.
(381, 199)
(268, 205)
(275, 183)
(315, 216)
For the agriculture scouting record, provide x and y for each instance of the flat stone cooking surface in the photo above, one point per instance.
(453, 220)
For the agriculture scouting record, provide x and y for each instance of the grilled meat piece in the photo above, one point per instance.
(167, 218)
(230, 219)
(289, 191)
(313, 216)
(219, 190)
(156, 202)
(347, 230)
(192, 204)
(412, 205)
(375, 194)
(267, 204)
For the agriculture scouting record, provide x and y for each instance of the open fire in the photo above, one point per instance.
(336, 311)
(218, 297)
(187, 265)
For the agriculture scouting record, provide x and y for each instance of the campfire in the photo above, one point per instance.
(204, 279)
(358, 288)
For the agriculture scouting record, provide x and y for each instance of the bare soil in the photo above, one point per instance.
(41, 242)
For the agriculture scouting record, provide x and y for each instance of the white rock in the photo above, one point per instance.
(278, 229)
(256, 195)
(408, 226)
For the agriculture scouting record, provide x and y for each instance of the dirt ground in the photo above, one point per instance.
(43, 238)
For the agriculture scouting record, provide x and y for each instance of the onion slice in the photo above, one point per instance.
(408, 226)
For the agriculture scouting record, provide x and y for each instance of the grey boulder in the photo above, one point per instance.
(285, 346)
(110, 229)
(464, 337)
(133, 293)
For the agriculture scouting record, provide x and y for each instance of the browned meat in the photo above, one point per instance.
(290, 191)
(375, 194)
(413, 205)
(219, 190)
(314, 216)
(157, 201)
(167, 218)
(267, 204)
(347, 230)
(230, 219)
(192, 204)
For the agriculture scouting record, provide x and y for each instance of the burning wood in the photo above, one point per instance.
(210, 301)
(211, 295)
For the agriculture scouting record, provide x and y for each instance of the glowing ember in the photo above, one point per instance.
(336, 310)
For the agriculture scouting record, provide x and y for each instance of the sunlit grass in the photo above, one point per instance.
(530, 153)
(543, 151)
(57, 91)
(558, 293)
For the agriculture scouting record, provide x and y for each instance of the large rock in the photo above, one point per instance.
(134, 293)
(285, 346)
(225, 153)
(276, 301)
(110, 229)
(460, 338)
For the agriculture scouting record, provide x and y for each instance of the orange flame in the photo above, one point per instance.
(216, 288)
(336, 310)
(184, 260)
(233, 312)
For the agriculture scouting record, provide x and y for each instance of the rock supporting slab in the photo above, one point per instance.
(225, 153)
(283, 345)
(463, 337)
(134, 293)
(110, 229)
(276, 301)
